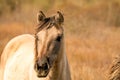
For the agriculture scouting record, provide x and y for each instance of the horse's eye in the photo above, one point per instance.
(58, 38)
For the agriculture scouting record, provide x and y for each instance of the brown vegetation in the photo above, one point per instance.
(115, 69)
(92, 30)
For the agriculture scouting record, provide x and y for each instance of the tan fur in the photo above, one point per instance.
(19, 57)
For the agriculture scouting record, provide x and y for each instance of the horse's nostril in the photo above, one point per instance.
(45, 66)
(38, 67)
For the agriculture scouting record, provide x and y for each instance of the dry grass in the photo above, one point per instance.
(90, 57)
(115, 69)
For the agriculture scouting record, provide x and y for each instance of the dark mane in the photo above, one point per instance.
(41, 25)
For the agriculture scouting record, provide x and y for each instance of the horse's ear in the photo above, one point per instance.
(40, 16)
(59, 17)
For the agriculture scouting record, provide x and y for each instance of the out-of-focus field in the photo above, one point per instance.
(92, 31)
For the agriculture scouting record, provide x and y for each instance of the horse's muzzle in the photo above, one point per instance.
(42, 69)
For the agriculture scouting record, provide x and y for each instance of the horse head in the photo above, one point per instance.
(48, 42)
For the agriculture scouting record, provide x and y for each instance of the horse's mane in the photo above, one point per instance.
(43, 24)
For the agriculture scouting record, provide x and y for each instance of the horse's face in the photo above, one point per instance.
(49, 38)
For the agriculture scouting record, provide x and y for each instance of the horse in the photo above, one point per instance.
(37, 57)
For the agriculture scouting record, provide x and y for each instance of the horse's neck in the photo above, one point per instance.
(57, 70)
(60, 70)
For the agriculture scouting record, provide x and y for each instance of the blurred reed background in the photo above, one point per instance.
(92, 31)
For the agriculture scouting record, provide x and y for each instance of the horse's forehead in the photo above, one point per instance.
(52, 32)
(41, 34)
